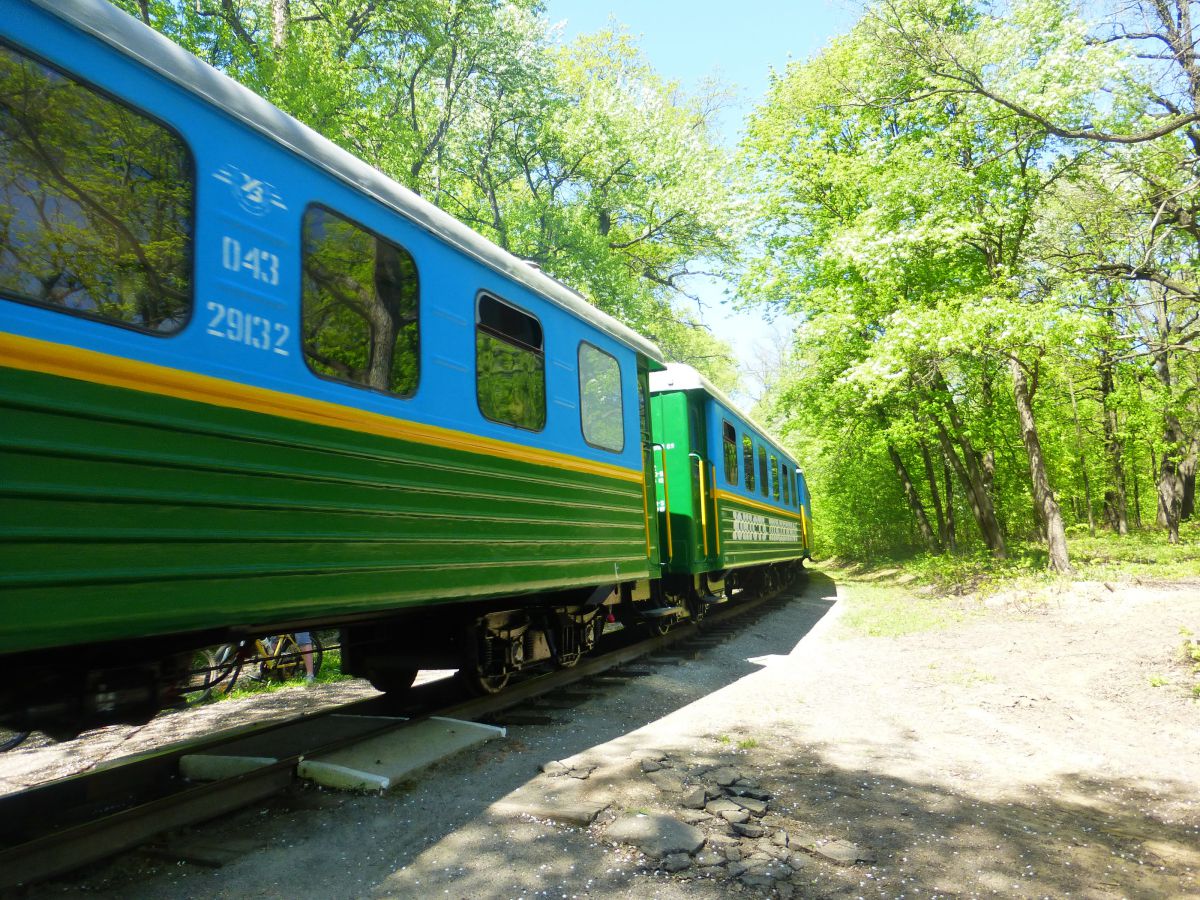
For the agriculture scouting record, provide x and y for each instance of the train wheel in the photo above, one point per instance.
(479, 685)
(392, 681)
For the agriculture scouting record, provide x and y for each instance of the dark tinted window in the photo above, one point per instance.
(764, 477)
(729, 443)
(95, 202)
(774, 477)
(783, 481)
(359, 305)
(509, 365)
(748, 460)
(600, 410)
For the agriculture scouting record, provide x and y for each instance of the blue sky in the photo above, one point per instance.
(689, 40)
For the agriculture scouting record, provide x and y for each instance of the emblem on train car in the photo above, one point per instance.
(254, 195)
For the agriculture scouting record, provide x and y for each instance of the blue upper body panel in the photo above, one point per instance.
(716, 414)
(228, 156)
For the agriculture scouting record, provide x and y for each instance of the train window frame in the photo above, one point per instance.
(764, 473)
(749, 480)
(774, 477)
(378, 236)
(191, 173)
(783, 483)
(588, 345)
(729, 451)
(540, 352)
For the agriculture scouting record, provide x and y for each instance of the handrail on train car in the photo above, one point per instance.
(703, 498)
(666, 501)
(712, 470)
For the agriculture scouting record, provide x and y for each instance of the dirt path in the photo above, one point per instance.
(1023, 751)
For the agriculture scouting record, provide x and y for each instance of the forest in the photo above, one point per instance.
(982, 216)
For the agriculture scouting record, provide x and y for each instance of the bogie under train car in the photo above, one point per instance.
(249, 385)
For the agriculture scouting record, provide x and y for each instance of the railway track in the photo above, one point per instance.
(62, 825)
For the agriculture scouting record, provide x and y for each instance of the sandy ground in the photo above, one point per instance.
(1030, 750)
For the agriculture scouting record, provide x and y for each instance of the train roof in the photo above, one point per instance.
(127, 34)
(682, 377)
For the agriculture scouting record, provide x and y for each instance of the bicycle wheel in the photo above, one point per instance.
(287, 661)
(219, 667)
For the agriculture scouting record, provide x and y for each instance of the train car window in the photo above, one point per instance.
(729, 444)
(358, 302)
(763, 477)
(96, 202)
(748, 460)
(600, 407)
(510, 365)
(783, 481)
(774, 477)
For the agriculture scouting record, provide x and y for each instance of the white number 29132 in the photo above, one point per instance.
(233, 324)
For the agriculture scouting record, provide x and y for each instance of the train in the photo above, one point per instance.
(250, 385)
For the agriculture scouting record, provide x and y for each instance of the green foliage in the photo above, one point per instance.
(962, 203)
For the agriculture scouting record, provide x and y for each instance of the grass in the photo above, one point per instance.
(331, 671)
(889, 610)
(891, 597)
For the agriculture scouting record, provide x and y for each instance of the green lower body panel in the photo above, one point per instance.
(753, 537)
(126, 514)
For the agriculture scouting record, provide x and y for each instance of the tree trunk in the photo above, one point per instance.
(971, 471)
(977, 496)
(1170, 478)
(1187, 469)
(1043, 496)
(280, 15)
(947, 477)
(914, 500)
(935, 493)
(1087, 485)
(1112, 442)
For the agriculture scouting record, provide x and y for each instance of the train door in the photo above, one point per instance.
(700, 468)
(651, 475)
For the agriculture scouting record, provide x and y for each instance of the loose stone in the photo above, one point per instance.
(676, 862)
(693, 798)
(650, 765)
(656, 834)
(763, 881)
(709, 872)
(724, 776)
(666, 781)
(755, 807)
(716, 807)
(750, 831)
(844, 852)
(554, 768)
(736, 868)
(785, 890)
(693, 816)
(722, 840)
(710, 858)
